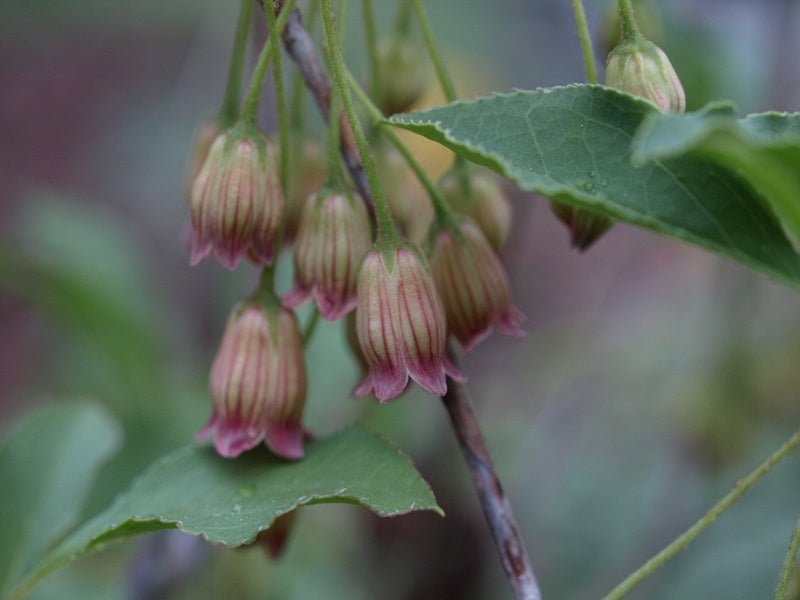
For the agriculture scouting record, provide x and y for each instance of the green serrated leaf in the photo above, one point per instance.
(47, 465)
(573, 144)
(230, 501)
(763, 149)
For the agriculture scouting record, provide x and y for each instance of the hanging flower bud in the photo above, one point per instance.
(641, 69)
(236, 203)
(473, 286)
(585, 227)
(410, 209)
(404, 78)
(202, 144)
(332, 240)
(308, 171)
(258, 383)
(401, 326)
(482, 200)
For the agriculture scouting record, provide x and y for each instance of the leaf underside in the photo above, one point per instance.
(574, 145)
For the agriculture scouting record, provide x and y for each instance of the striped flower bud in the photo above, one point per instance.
(483, 201)
(258, 383)
(333, 237)
(641, 68)
(401, 326)
(202, 144)
(473, 286)
(236, 202)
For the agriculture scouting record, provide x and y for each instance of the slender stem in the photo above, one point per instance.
(495, 504)
(445, 81)
(740, 488)
(589, 63)
(402, 22)
(300, 46)
(233, 87)
(387, 235)
(334, 160)
(298, 99)
(371, 34)
(441, 71)
(310, 327)
(280, 96)
(785, 578)
(249, 113)
(443, 212)
(627, 18)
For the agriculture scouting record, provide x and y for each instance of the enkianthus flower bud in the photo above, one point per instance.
(410, 209)
(404, 77)
(202, 144)
(308, 171)
(585, 227)
(401, 326)
(473, 286)
(483, 201)
(237, 204)
(258, 383)
(274, 539)
(641, 69)
(333, 237)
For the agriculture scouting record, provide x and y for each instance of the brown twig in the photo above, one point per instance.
(301, 49)
(495, 505)
(494, 502)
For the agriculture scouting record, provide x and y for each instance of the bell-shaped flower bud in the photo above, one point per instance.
(585, 227)
(308, 170)
(404, 80)
(237, 205)
(473, 286)
(482, 200)
(258, 383)
(401, 325)
(410, 209)
(641, 69)
(333, 237)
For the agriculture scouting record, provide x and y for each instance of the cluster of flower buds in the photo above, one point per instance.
(473, 285)
(481, 199)
(237, 205)
(333, 237)
(401, 325)
(258, 383)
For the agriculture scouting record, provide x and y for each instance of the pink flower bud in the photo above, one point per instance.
(641, 69)
(401, 326)
(334, 236)
(236, 203)
(258, 383)
(483, 201)
(473, 286)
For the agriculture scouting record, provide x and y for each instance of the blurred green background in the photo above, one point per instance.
(653, 374)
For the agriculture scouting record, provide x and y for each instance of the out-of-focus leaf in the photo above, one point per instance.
(230, 502)
(764, 149)
(47, 465)
(573, 144)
